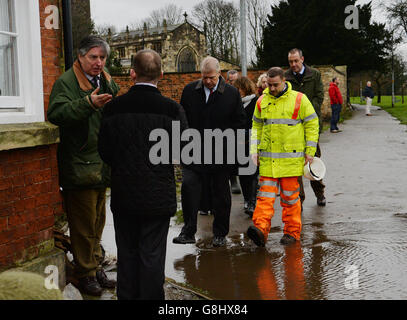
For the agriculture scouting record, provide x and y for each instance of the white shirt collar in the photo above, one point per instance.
(208, 92)
(146, 84)
(302, 70)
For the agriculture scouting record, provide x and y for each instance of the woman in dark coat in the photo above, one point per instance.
(247, 91)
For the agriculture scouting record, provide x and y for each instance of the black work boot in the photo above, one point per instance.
(90, 286)
(321, 201)
(183, 239)
(287, 239)
(256, 235)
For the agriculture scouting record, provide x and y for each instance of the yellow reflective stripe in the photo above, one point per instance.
(290, 122)
(269, 183)
(309, 118)
(290, 193)
(281, 155)
(257, 119)
(266, 194)
(312, 144)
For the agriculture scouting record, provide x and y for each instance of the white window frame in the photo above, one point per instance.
(29, 105)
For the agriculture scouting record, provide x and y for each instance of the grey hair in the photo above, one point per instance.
(296, 50)
(230, 72)
(210, 64)
(264, 75)
(93, 41)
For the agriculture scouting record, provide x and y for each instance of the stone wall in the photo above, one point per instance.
(29, 189)
(173, 83)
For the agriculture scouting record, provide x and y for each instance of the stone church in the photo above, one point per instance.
(182, 46)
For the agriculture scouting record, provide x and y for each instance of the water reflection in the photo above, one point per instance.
(242, 271)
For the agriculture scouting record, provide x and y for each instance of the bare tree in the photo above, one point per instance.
(257, 11)
(170, 12)
(397, 12)
(103, 29)
(220, 21)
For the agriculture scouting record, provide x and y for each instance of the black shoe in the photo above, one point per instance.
(287, 239)
(256, 235)
(234, 185)
(104, 280)
(321, 201)
(183, 239)
(90, 286)
(250, 210)
(218, 241)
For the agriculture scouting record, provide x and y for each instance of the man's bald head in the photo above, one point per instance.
(147, 66)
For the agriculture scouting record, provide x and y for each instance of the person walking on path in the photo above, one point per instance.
(308, 81)
(143, 195)
(284, 138)
(368, 93)
(209, 103)
(248, 183)
(76, 103)
(336, 104)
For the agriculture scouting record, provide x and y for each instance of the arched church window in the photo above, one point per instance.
(186, 61)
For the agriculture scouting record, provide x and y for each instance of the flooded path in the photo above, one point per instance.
(354, 248)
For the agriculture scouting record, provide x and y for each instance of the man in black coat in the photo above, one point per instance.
(209, 103)
(143, 193)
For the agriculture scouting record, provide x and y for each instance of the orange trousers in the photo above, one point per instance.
(289, 200)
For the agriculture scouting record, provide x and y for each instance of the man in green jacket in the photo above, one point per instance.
(76, 103)
(308, 80)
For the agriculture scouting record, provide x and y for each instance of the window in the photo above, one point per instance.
(157, 47)
(122, 52)
(186, 60)
(21, 86)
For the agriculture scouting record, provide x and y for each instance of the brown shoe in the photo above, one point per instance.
(104, 280)
(90, 286)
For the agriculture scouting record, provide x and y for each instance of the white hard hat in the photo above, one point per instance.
(316, 170)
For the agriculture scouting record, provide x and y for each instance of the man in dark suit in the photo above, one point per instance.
(143, 193)
(209, 103)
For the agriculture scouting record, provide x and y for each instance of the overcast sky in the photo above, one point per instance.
(126, 12)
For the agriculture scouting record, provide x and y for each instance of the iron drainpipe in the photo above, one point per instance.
(68, 40)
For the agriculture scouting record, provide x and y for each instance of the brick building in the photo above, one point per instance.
(30, 201)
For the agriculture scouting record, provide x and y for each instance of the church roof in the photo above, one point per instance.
(140, 33)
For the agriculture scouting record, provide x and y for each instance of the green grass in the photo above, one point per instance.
(399, 110)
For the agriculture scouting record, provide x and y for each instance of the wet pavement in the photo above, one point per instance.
(354, 248)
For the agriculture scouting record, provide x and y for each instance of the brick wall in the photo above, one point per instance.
(173, 83)
(52, 57)
(29, 188)
(29, 200)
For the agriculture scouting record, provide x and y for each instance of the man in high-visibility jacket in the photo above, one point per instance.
(284, 138)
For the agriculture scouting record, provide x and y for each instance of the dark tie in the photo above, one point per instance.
(94, 81)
